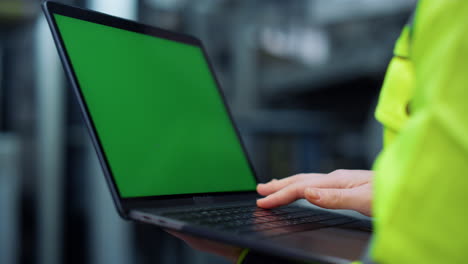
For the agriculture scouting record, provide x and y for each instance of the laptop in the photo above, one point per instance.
(170, 151)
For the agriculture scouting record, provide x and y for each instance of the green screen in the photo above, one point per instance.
(157, 111)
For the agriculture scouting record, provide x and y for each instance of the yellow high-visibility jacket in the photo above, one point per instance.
(420, 202)
(421, 184)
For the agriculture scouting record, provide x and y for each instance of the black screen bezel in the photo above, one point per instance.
(124, 204)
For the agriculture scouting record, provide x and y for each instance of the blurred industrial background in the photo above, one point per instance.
(301, 76)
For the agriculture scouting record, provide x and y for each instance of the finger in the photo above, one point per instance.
(276, 185)
(358, 199)
(273, 185)
(284, 196)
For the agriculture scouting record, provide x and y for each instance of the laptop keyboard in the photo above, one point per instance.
(251, 219)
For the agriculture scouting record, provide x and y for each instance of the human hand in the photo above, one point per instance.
(232, 253)
(340, 189)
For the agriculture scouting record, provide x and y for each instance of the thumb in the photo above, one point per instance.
(353, 199)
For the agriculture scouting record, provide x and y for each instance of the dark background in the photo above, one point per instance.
(302, 79)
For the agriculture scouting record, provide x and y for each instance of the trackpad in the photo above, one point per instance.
(338, 242)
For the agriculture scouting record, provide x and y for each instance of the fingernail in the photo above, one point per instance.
(312, 193)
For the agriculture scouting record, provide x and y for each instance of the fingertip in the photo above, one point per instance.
(272, 186)
(262, 189)
(260, 202)
(263, 202)
(259, 187)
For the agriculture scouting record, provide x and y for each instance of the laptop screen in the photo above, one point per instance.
(157, 111)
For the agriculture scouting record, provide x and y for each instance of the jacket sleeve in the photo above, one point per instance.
(422, 177)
